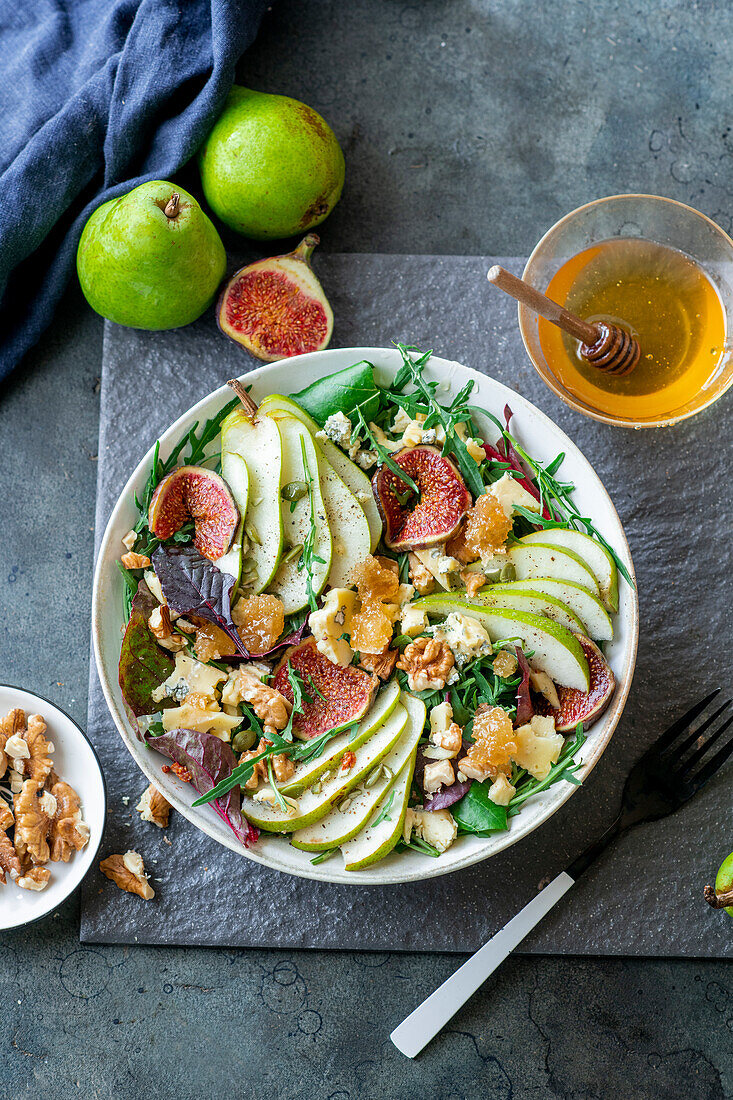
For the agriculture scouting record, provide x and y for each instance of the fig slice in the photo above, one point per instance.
(443, 502)
(276, 308)
(193, 493)
(348, 693)
(582, 706)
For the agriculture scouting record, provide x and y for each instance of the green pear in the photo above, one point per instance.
(271, 167)
(150, 259)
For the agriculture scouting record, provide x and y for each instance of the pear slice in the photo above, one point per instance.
(386, 822)
(544, 560)
(595, 556)
(555, 650)
(352, 476)
(315, 802)
(342, 824)
(578, 600)
(499, 595)
(348, 524)
(235, 473)
(290, 584)
(307, 774)
(259, 446)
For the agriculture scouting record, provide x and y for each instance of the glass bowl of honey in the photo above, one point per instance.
(658, 269)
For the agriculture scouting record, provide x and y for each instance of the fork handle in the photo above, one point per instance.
(430, 1017)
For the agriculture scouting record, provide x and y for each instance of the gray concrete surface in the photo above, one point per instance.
(469, 126)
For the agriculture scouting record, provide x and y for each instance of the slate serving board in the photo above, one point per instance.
(670, 488)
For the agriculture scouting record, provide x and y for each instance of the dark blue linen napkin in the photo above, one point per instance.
(96, 96)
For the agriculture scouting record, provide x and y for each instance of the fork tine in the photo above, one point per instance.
(713, 765)
(680, 750)
(686, 766)
(681, 725)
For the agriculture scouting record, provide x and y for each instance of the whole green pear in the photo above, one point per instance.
(151, 258)
(271, 167)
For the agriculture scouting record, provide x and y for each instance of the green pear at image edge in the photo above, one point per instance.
(150, 260)
(271, 167)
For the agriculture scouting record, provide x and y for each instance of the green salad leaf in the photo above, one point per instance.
(143, 664)
(341, 392)
(476, 813)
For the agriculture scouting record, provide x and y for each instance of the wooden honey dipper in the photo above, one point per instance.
(603, 345)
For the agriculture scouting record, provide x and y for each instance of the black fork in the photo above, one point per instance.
(677, 765)
(674, 769)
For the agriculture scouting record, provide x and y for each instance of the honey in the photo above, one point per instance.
(663, 298)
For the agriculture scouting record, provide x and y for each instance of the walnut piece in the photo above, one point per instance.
(272, 708)
(35, 878)
(9, 859)
(37, 765)
(420, 576)
(282, 766)
(12, 724)
(154, 807)
(68, 832)
(160, 627)
(6, 816)
(382, 664)
(474, 582)
(31, 823)
(135, 561)
(128, 872)
(427, 662)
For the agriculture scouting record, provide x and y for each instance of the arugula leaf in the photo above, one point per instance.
(384, 815)
(308, 554)
(340, 392)
(477, 814)
(385, 457)
(193, 585)
(143, 664)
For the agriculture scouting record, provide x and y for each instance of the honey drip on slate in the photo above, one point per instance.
(664, 299)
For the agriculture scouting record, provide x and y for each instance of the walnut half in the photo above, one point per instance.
(154, 807)
(68, 833)
(128, 872)
(427, 662)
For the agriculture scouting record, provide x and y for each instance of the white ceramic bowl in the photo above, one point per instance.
(74, 760)
(544, 440)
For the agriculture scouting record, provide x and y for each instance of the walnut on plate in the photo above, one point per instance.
(128, 872)
(270, 706)
(35, 878)
(31, 822)
(12, 724)
(382, 664)
(68, 833)
(154, 807)
(9, 859)
(427, 662)
(37, 765)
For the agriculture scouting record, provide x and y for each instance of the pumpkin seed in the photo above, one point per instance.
(508, 572)
(243, 740)
(294, 490)
(252, 534)
(374, 776)
(387, 772)
(291, 553)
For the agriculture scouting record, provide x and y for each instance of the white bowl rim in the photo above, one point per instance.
(88, 855)
(377, 875)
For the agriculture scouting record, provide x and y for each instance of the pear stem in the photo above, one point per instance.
(718, 901)
(172, 206)
(249, 405)
(304, 251)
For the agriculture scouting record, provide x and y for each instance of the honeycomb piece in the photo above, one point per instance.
(260, 621)
(374, 581)
(493, 740)
(211, 642)
(487, 526)
(371, 631)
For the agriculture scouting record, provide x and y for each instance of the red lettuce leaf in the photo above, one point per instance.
(525, 708)
(208, 760)
(444, 796)
(192, 585)
(143, 664)
(447, 796)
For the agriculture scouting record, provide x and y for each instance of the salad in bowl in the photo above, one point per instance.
(363, 621)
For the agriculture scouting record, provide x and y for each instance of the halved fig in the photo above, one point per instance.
(193, 493)
(582, 706)
(276, 308)
(348, 693)
(444, 499)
